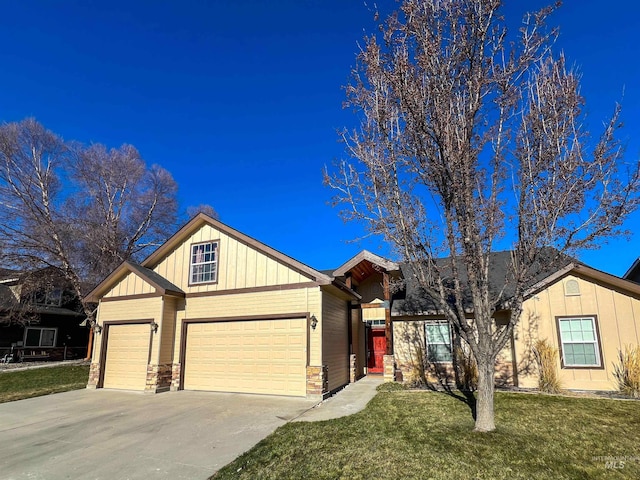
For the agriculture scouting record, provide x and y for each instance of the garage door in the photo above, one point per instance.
(264, 356)
(127, 357)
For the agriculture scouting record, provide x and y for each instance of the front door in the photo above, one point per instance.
(376, 349)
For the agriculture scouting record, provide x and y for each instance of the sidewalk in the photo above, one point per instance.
(351, 399)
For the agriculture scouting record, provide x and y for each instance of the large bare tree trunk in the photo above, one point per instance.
(485, 421)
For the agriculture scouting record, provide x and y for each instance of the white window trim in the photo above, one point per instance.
(427, 342)
(596, 342)
(215, 248)
(55, 337)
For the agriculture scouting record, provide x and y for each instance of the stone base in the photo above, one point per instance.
(94, 375)
(317, 380)
(175, 377)
(353, 368)
(389, 367)
(158, 378)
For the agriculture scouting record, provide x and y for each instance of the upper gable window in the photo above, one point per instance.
(204, 263)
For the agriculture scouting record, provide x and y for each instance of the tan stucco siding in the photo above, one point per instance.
(254, 304)
(133, 309)
(131, 284)
(618, 318)
(239, 265)
(335, 339)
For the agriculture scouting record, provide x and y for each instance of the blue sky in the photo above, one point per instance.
(241, 100)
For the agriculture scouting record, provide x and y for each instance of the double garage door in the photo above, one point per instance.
(252, 356)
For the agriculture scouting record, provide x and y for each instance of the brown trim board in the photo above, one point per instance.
(131, 297)
(266, 288)
(187, 321)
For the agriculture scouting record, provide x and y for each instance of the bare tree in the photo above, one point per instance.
(202, 208)
(127, 209)
(80, 209)
(470, 137)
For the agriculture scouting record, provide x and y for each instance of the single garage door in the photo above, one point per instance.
(263, 356)
(127, 357)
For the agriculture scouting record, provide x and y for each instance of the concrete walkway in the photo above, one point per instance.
(351, 399)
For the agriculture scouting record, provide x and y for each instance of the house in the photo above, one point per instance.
(587, 315)
(216, 310)
(39, 317)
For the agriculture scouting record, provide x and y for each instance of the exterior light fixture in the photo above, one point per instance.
(97, 328)
(314, 322)
(154, 326)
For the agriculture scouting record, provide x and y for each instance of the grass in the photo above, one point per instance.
(42, 381)
(428, 435)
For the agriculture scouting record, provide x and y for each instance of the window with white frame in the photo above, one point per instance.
(40, 337)
(204, 263)
(579, 342)
(438, 337)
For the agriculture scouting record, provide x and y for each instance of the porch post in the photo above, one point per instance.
(388, 361)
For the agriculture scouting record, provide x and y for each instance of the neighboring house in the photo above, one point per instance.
(39, 317)
(213, 309)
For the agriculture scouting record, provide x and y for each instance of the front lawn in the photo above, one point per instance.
(428, 435)
(42, 381)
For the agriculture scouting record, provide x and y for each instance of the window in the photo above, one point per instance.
(40, 337)
(438, 342)
(204, 263)
(579, 340)
(52, 297)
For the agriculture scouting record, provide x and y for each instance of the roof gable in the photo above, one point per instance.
(201, 220)
(133, 279)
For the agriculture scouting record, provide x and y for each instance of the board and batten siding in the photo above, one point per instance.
(255, 304)
(335, 339)
(132, 309)
(167, 329)
(131, 284)
(239, 265)
(618, 318)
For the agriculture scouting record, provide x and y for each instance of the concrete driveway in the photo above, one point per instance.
(107, 434)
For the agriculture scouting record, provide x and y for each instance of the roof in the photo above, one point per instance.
(414, 301)
(161, 284)
(364, 264)
(632, 273)
(202, 219)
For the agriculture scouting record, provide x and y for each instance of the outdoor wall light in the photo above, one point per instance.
(314, 322)
(154, 326)
(97, 328)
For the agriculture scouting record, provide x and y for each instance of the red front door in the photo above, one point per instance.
(376, 347)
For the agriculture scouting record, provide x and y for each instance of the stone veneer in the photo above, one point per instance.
(175, 377)
(389, 368)
(317, 380)
(353, 368)
(158, 378)
(94, 375)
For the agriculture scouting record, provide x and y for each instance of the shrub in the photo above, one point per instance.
(546, 356)
(390, 387)
(627, 371)
(466, 369)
